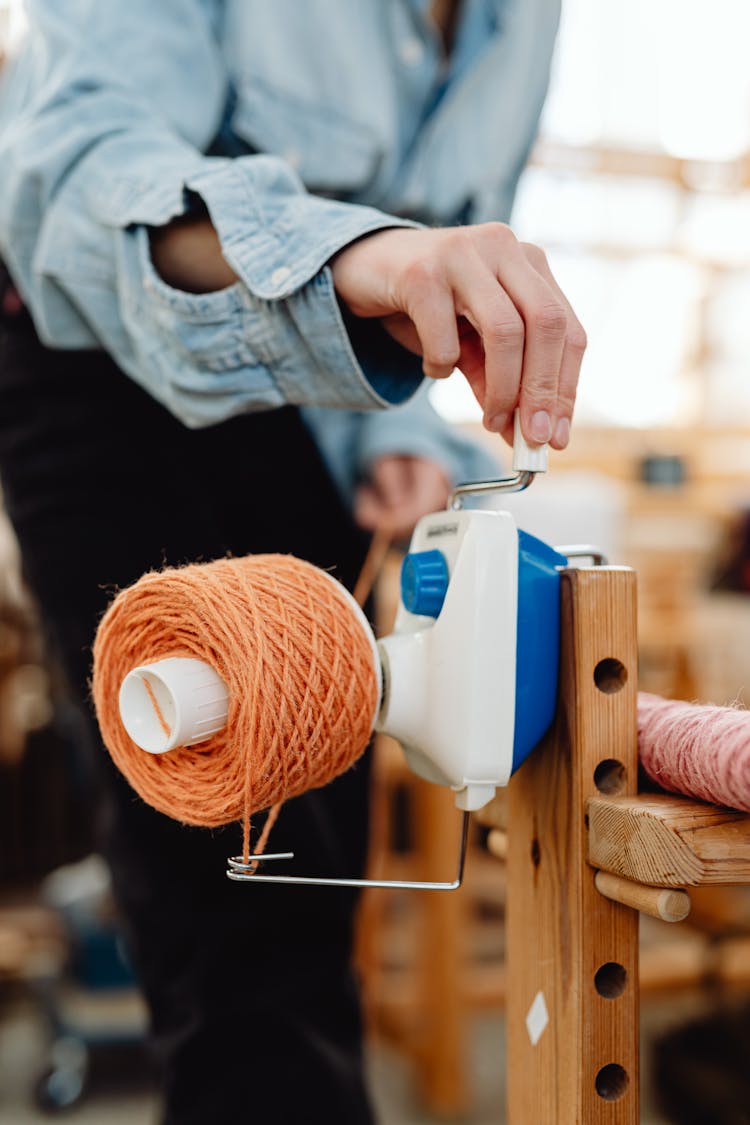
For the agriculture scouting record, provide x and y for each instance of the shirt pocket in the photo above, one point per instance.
(332, 153)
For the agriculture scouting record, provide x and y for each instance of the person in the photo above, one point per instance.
(244, 234)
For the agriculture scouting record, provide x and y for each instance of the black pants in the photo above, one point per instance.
(254, 1006)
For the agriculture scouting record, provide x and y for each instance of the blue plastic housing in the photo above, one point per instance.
(537, 643)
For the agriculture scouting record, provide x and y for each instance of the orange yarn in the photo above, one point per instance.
(297, 663)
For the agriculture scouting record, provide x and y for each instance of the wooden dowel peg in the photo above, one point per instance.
(497, 843)
(494, 814)
(660, 902)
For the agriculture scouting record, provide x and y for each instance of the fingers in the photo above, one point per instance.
(530, 355)
(429, 488)
(573, 352)
(545, 317)
(524, 345)
(368, 509)
(471, 361)
(432, 310)
(379, 500)
(400, 491)
(499, 326)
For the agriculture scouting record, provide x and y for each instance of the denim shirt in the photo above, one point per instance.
(301, 126)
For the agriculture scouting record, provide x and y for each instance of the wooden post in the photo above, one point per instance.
(573, 954)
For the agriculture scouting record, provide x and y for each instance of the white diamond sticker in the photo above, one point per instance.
(537, 1018)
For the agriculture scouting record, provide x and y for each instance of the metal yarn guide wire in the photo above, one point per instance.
(240, 872)
(583, 551)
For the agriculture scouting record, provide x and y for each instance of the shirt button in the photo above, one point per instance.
(279, 276)
(411, 52)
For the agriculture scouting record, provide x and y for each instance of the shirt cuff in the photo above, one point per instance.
(278, 239)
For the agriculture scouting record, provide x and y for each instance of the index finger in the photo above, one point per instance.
(545, 319)
(488, 308)
(575, 346)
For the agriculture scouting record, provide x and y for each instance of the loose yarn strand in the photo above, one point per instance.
(273, 816)
(380, 545)
(247, 810)
(377, 552)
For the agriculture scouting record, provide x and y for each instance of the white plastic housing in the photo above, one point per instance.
(192, 698)
(450, 682)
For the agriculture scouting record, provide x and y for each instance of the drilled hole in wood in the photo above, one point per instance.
(611, 1082)
(610, 675)
(610, 777)
(610, 980)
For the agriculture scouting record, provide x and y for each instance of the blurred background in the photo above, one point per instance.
(639, 189)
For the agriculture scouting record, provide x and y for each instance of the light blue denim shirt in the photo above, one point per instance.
(301, 125)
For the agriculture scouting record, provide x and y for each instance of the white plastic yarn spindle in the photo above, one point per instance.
(189, 699)
(174, 702)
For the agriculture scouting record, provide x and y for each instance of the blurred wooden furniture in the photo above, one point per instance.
(31, 942)
(429, 960)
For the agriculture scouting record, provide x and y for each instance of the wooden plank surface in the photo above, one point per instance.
(572, 952)
(668, 841)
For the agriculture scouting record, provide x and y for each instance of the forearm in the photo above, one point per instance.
(187, 255)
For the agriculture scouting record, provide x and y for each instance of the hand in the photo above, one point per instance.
(476, 298)
(399, 491)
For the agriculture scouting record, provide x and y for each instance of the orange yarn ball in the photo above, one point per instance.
(296, 660)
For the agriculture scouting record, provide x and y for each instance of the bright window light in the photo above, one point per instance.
(12, 24)
(656, 264)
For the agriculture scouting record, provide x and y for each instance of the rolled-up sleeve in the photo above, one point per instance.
(103, 128)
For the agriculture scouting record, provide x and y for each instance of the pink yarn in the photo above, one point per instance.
(699, 751)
